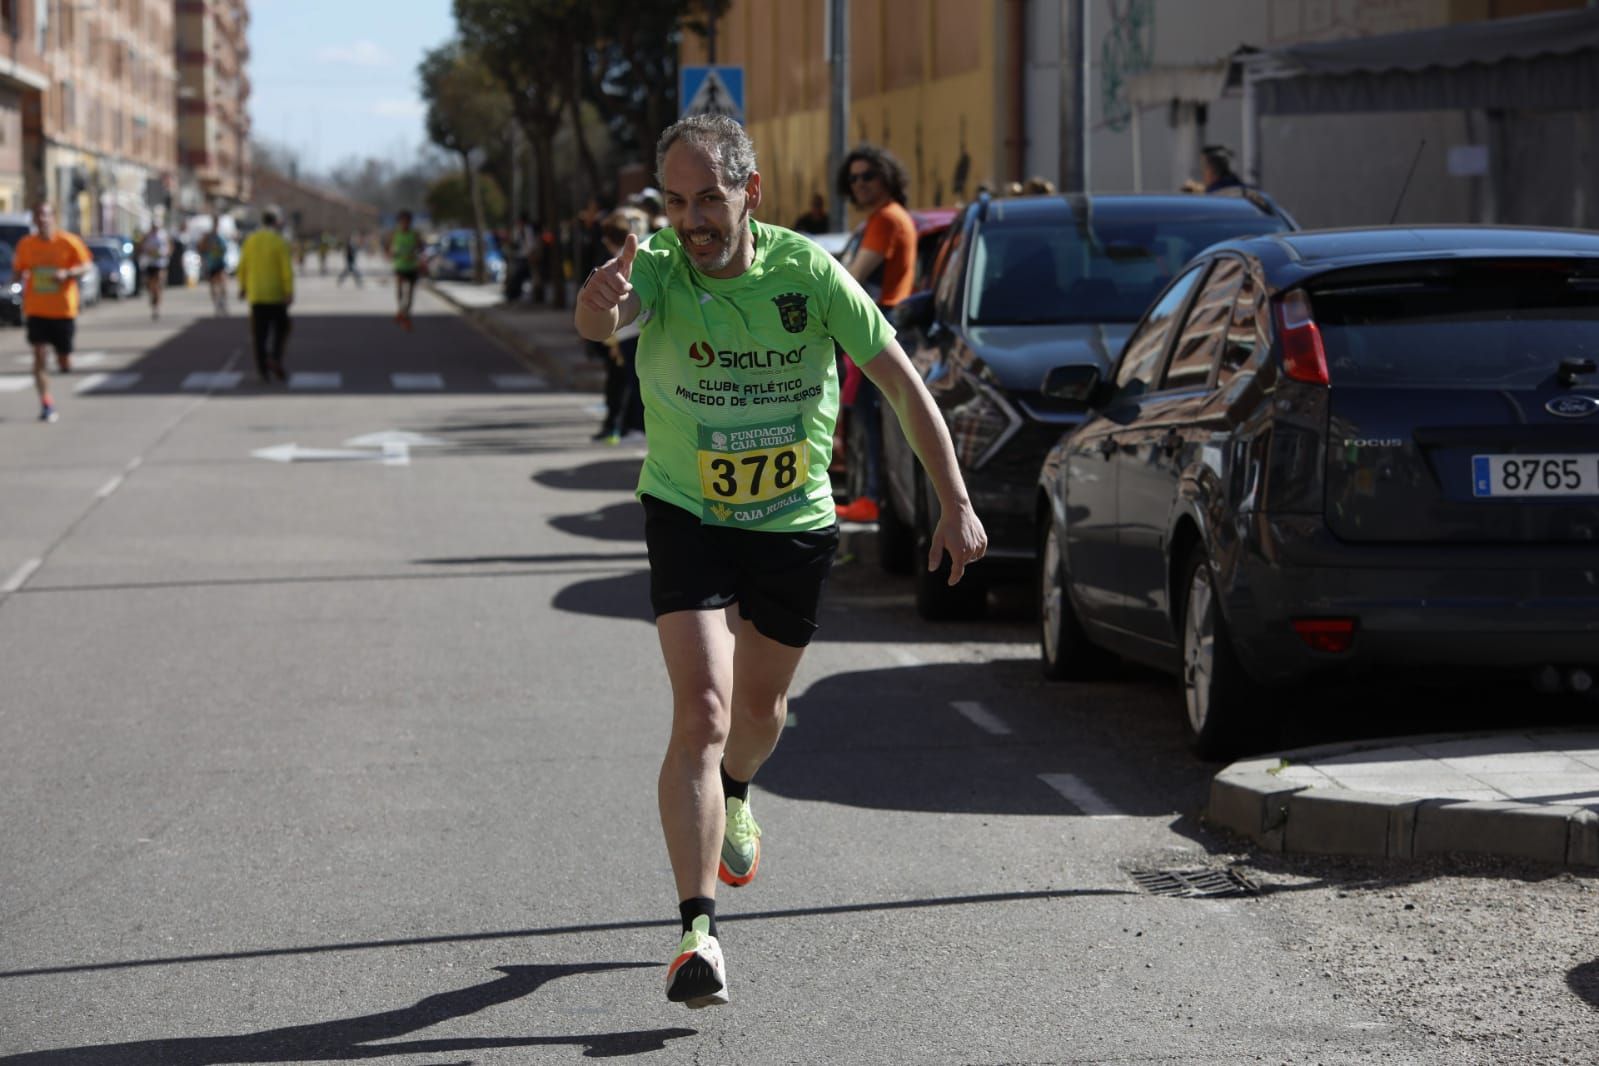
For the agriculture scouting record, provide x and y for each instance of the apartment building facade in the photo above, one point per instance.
(118, 111)
(970, 92)
(213, 54)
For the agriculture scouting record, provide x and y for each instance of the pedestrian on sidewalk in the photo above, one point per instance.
(624, 406)
(266, 283)
(405, 244)
(737, 504)
(214, 252)
(49, 263)
(885, 262)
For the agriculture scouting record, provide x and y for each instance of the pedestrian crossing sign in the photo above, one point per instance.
(712, 91)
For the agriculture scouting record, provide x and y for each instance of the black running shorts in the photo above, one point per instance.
(56, 332)
(408, 275)
(776, 578)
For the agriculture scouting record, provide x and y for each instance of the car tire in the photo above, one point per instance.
(1221, 703)
(896, 540)
(936, 599)
(1066, 653)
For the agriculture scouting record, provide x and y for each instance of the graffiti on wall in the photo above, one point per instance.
(1128, 48)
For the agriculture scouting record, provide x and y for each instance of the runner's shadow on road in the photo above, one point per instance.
(895, 739)
(354, 1038)
(619, 521)
(626, 596)
(614, 475)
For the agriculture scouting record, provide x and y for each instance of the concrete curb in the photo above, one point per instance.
(1250, 799)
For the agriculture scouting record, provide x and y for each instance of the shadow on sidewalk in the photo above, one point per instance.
(353, 1038)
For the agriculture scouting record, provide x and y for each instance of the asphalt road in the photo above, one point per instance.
(315, 754)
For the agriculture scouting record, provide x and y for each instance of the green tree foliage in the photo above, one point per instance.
(468, 112)
(449, 201)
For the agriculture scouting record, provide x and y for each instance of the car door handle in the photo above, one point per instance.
(1107, 446)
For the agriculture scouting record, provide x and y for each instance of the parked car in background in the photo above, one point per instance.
(452, 259)
(90, 284)
(118, 273)
(10, 288)
(1335, 451)
(1019, 286)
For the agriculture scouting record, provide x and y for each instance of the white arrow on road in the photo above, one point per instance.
(386, 437)
(393, 454)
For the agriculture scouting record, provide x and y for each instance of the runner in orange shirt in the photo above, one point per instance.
(49, 262)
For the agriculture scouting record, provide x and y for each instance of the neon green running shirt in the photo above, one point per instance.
(739, 379)
(403, 249)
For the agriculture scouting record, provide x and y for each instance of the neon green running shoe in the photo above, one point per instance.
(741, 845)
(697, 976)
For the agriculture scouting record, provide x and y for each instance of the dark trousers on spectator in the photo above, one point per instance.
(269, 333)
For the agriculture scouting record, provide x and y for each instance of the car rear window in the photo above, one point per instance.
(1506, 325)
(1100, 271)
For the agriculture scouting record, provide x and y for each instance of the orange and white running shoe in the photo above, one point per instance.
(741, 845)
(697, 977)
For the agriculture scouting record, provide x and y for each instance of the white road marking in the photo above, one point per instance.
(981, 717)
(15, 384)
(204, 380)
(316, 379)
(387, 437)
(1081, 795)
(417, 382)
(110, 486)
(107, 382)
(518, 382)
(19, 577)
(88, 359)
(904, 658)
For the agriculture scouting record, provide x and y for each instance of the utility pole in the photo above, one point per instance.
(1074, 60)
(838, 112)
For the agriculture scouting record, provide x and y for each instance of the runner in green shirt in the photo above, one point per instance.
(740, 389)
(404, 243)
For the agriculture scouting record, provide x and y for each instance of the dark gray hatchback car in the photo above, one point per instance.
(1019, 286)
(1335, 450)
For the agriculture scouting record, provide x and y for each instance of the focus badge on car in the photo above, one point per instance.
(1573, 405)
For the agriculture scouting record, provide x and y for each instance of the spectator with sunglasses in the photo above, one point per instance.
(885, 263)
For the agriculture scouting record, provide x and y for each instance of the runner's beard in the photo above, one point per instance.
(723, 247)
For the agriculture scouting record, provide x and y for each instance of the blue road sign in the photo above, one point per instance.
(712, 91)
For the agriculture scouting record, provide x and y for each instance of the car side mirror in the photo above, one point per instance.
(915, 312)
(1079, 383)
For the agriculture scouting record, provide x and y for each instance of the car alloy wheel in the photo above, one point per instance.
(1066, 652)
(1199, 651)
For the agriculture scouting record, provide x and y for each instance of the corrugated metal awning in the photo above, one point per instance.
(1535, 63)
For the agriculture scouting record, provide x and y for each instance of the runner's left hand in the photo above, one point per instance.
(960, 533)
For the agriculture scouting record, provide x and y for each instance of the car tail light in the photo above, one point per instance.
(1331, 635)
(1304, 357)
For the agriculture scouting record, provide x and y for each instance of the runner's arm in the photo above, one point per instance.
(600, 325)
(863, 262)
(959, 531)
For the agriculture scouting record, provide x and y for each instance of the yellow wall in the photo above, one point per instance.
(923, 84)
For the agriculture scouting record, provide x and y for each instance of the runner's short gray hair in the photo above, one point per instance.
(724, 140)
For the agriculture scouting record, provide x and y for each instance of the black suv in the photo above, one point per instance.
(1328, 450)
(1019, 286)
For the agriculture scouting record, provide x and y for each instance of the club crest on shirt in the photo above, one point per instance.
(791, 307)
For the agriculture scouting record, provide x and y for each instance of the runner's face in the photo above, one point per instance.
(44, 220)
(712, 221)
(866, 184)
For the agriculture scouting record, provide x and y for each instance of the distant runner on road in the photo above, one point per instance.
(404, 249)
(740, 386)
(49, 264)
(155, 252)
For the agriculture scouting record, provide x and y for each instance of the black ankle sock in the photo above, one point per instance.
(691, 909)
(734, 789)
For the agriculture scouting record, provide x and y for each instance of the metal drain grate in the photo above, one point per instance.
(1195, 884)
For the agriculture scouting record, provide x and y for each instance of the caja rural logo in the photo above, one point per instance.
(701, 354)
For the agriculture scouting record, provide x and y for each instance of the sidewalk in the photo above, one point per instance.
(1531, 795)
(542, 336)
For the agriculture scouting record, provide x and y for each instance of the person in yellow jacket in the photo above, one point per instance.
(266, 283)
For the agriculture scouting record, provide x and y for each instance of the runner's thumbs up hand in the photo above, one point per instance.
(609, 285)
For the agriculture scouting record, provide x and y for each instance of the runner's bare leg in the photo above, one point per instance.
(763, 669)
(699, 654)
